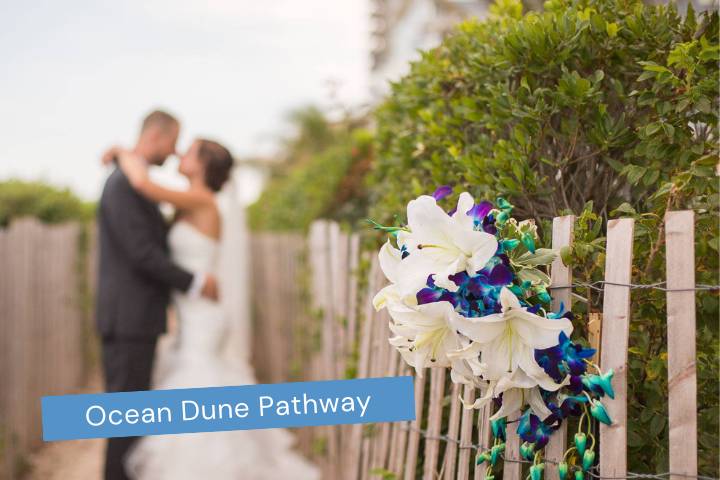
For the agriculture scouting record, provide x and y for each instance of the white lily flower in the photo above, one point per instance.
(508, 340)
(442, 245)
(424, 334)
(402, 287)
(518, 389)
(465, 365)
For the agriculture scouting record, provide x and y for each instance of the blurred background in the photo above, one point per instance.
(343, 110)
(288, 86)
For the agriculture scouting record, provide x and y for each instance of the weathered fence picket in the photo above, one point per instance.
(434, 422)
(450, 462)
(560, 276)
(614, 348)
(682, 382)
(466, 431)
(512, 468)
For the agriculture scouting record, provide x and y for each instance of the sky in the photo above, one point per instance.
(78, 76)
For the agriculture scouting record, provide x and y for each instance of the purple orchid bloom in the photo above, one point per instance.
(564, 358)
(477, 295)
(441, 192)
(533, 430)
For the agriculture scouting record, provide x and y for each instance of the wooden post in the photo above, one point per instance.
(682, 382)
(616, 330)
(560, 276)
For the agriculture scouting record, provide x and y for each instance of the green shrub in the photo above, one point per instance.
(606, 107)
(327, 183)
(37, 199)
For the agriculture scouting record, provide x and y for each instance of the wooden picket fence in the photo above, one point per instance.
(444, 438)
(42, 330)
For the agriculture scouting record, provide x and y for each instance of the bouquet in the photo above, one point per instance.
(468, 291)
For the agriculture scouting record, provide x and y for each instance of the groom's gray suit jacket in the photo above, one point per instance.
(135, 272)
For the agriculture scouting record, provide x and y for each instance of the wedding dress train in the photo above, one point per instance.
(194, 359)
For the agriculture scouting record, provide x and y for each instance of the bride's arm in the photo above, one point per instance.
(137, 173)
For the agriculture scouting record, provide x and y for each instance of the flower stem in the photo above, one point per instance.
(568, 451)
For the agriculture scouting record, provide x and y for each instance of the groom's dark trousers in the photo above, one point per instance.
(134, 282)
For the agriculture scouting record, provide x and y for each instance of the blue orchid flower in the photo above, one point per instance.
(533, 430)
(564, 358)
(477, 295)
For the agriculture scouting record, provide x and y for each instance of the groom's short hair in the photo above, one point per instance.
(161, 119)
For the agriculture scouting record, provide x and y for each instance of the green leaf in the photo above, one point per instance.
(533, 276)
(611, 29)
(566, 255)
(625, 208)
(542, 256)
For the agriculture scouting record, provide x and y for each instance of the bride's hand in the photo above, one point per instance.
(111, 154)
(134, 167)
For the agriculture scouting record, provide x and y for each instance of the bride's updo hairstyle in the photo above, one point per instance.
(218, 163)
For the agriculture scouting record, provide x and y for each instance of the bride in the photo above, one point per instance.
(212, 346)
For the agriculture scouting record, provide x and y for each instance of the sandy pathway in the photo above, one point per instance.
(73, 459)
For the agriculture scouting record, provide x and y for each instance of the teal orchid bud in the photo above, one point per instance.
(536, 471)
(588, 459)
(604, 381)
(503, 204)
(510, 244)
(600, 384)
(579, 475)
(527, 450)
(517, 291)
(495, 453)
(562, 470)
(498, 428)
(543, 295)
(501, 218)
(597, 410)
(580, 443)
(528, 241)
(482, 458)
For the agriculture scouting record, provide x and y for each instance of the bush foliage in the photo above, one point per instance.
(605, 108)
(37, 199)
(321, 176)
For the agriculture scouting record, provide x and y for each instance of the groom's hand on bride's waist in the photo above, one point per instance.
(210, 288)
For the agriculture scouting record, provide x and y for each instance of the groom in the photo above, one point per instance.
(136, 275)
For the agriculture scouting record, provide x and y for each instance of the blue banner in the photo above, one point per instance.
(160, 412)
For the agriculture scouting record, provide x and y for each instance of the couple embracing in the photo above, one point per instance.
(145, 265)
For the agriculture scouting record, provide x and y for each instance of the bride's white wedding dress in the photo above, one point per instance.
(195, 359)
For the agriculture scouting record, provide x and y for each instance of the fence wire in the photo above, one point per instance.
(593, 472)
(599, 286)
